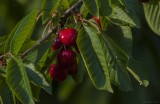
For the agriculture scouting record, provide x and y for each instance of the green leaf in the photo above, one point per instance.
(119, 77)
(66, 88)
(124, 40)
(122, 36)
(117, 2)
(65, 4)
(91, 6)
(36, 92)
(119, 16)
(17, 80)
(139, 72)
(2, 43)
(104, 7)
(120, 56)
(98, 7)
(84, 11)
(118, 72)
(23, 31)
(37, 78)
(104, 23)
(50, 59)
(2, 71)
(152, 14)
(94, 58)
(134, 10)
(9, 38)
(47, 6)
(72, 2)
(38, 53)
(27, 44)
(5, 92)
(56, 4)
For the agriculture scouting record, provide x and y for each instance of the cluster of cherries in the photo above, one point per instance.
(66, 58)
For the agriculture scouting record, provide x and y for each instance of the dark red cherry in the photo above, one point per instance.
(57, 73)
(56, 44)
(73, 69)
(66, 58)
(68, 36)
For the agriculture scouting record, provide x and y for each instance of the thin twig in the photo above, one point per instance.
(74, 9)
(39, 43)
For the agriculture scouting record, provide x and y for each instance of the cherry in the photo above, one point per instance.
(97, 20)
(66, 58)
(73, 69)
(56, 44)
(68, 36)
(57, 73)
(144, 1)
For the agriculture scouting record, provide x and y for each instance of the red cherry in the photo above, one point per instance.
(68, 36)
(56, 44)
(57, 73)
(73, 69)
(97, 20)
(144, 1)
(66, 58)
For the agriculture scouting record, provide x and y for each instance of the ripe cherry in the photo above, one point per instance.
(97, 20)
(68, 36)
(144, 1)
(56, 44)
(73, 69)
(57, 73)
(66, 58)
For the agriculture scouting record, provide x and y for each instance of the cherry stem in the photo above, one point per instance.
(72, 10)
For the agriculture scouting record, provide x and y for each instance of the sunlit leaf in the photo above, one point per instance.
(23, 31)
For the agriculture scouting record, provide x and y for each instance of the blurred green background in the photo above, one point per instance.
(146, 48)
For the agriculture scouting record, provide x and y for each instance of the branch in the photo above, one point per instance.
(74, 9)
